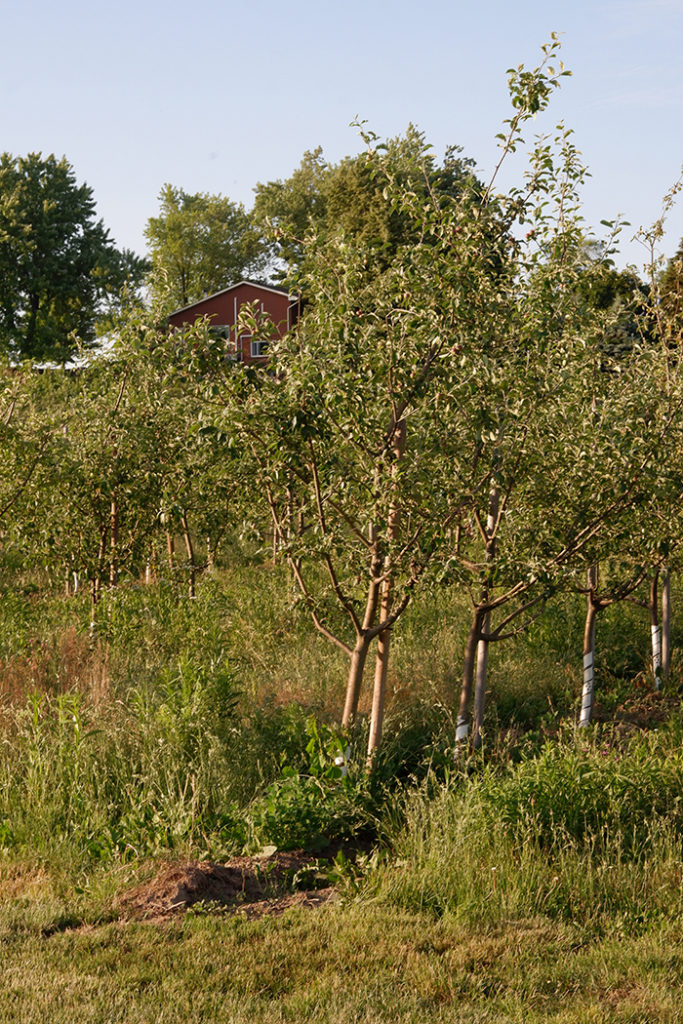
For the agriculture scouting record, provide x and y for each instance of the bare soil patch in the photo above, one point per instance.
(254, 886)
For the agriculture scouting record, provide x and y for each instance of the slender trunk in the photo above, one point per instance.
(666, 626)
(483, 645)
(95, 581)
(480, 682)
(589, 650)
(384, 638)
(94, 601)
(170, 548)
(114, 543)
(360, 651)
(380, 685)
(463, 724)
(210, 556)
(190, 557)
(655, 630)
(355, 678)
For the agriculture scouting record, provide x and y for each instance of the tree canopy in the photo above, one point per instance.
(59, 269)
(351, 197)
(200, 243)
(671, 290)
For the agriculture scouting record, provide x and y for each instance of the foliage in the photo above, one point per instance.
(471, 420)
(59, 269)
(311, 809)
(198, 244)
(573, 832)
(671, 292)
(350, 198)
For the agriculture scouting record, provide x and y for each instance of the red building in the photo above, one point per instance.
(223, 309)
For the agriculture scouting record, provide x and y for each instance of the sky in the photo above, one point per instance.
(218, 96)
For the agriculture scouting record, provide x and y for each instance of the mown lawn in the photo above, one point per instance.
(353, 963)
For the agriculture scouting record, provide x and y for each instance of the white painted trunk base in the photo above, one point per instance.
(588, 690)
(656, 654)
(462, 731)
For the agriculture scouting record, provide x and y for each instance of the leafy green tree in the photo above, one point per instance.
(376, 435)
(286, 208)
(671, 298)
(351, 198)
(433, 414)
(199, 244)
(59, 269)
(23, 444)
(619, 298)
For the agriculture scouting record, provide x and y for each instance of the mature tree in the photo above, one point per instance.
(199, 244)
(619, 298)
(59, 269)
(351, 198)
(286, 208)
(671, 298)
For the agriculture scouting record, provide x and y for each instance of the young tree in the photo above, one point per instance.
(412, 374)
(23, 444)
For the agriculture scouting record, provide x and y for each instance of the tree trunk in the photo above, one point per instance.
(379, 689)
(96, 579)
(94, 601)
(589, 650)
(384, 638)
(463, 724)
(483, 645)
(655, 630)
(360, 651)
(114, 543)
(666, 626)
(170, 548)
(480, 682)
(355, 678)
(190, 557)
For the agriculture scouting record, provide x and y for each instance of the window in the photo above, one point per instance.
(223, 332)
(259, 349)
(220, 332)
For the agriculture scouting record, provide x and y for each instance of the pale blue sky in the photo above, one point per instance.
(215, 97)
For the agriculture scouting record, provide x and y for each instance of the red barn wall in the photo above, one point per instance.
(223, 310)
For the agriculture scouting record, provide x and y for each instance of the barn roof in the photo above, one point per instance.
(230, 288)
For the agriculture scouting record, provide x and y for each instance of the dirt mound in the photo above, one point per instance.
(252, 885)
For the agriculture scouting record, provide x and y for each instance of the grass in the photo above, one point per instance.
(539, 881)
(346, 963)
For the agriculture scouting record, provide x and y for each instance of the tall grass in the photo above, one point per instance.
(129, 779)
(578, 832)
(172, 730)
